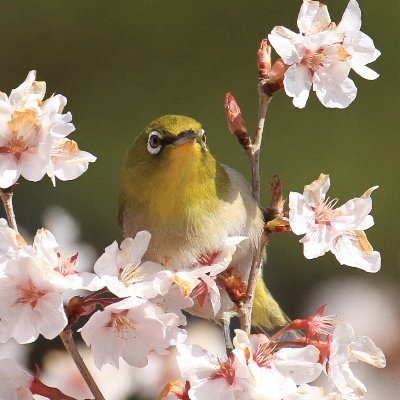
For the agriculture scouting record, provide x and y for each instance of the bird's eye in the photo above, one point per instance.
(154, 142)
(203, 136)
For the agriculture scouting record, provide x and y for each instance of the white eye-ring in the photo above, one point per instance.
(203, 135)
(154, 142)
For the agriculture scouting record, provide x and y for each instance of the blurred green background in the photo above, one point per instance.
(124, 63)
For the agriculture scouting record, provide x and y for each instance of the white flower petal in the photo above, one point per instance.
(351, 20)
(365, 72)
(284, 42)
(313, 17)
(353, 249)
(333, 94)
(297, 82)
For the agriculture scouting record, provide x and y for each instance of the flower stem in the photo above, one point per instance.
(69, 344)
(38, 387)
(6, 196)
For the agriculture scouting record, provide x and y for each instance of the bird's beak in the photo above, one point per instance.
(186, 137)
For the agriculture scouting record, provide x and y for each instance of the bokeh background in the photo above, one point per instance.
(123, 63)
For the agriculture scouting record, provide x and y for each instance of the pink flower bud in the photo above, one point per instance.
(264, 59)
(236, 122)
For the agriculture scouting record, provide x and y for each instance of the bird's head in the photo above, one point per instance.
(170, 167)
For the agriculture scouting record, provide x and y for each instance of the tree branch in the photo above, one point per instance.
(69, 344)
(6, 196)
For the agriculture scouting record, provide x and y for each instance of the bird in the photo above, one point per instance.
(174, 187)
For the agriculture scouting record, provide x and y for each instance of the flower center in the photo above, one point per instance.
(28, 293)
(263, 355)
(226, 371)
(121, 324)
(66, 266)
(65, 147)
(325, 211)
(316, 60)
(129, 274)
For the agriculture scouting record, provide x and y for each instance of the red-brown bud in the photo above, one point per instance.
(274, 80)
(236, 122)
(264, 59)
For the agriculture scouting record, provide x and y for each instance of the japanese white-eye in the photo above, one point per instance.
(172, 186)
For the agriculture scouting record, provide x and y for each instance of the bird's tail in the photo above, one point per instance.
(266, 311)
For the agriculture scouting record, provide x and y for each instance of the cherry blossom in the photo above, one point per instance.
(67, 162)
(346, 348)
(124, 274)
(277, 372)
(60, 268)
(29, 304)
(15, 382)
(32, 136)
(327, 228)
(322, 55)
(226, 378)
(131, 329)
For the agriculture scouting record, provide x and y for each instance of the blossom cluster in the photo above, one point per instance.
(322, 54)
(33, 136)
(261, 368)
(339, 230)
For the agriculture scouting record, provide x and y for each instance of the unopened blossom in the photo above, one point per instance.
(344, 349)
(226, 378)
(30, 133)
(322, 55)
(15, 382)
(132, 329)
(124, 273)
(29, 303)
(327, 228)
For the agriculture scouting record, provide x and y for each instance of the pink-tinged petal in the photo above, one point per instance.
(9, 173)
(316, 241)
(33, 164)
(285, 42)
(352, 213)
(353, 249)
(106, 264)
(54, 104)
(334, 94)
(71, 167)
(351, 20)
(61, 130)
(364, 349)
(46, 247)
(365, 72)
(299, 213)
(18, 93)
(297, 82)
(52, 316)
(313, 17)
(361, 48)
(315, 192)
(132, 250)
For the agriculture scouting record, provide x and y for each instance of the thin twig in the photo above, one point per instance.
(245, 308)
(253, 152)
(69, 344)
(6, 196)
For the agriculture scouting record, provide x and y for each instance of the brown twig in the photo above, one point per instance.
(69, 344)
(6, 196)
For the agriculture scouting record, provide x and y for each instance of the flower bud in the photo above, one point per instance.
(264, 59)
(236, 122)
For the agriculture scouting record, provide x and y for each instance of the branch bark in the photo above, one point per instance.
(69, 344)
(6, 196)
